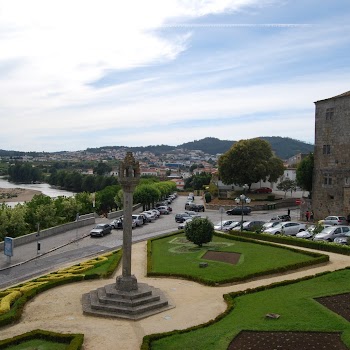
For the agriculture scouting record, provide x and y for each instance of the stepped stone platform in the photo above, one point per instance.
(107, 301)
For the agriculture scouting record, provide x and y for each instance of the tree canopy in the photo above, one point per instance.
(249, 161)
(199, 231)
(304, 173)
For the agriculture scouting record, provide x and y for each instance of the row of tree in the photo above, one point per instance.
(77, 182)
(45, 212)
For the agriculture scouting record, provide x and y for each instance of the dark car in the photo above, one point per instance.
(238, 210)
(263, 190)
(100, 230)
(195, 207)
(182, 217)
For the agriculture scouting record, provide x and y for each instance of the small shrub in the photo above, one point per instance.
(199, 231)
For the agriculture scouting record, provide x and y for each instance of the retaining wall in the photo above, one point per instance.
(51, 231)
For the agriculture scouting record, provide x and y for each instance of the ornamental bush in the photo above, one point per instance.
(199, 231)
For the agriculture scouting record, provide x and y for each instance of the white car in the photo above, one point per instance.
(289, 228)
(335, 220)
(231, 226)
(309, 232)
(223, 224)
(183, 224)
(150, 215)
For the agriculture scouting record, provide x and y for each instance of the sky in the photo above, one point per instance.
(84, 74)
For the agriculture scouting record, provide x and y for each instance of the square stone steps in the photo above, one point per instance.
(107, 301)
(144, 298)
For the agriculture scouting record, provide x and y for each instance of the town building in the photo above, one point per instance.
(331, 177)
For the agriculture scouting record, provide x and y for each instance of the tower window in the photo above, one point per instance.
(326, 149)
(329, 113)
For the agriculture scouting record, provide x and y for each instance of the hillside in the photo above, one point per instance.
(284, 147)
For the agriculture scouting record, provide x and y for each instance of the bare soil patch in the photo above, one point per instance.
(227, 257)
(340, 304)
(249, 340)
(17, 195)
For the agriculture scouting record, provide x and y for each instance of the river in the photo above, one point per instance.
(42, 187)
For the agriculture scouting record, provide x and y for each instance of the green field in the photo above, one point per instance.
(175, 256)
(294, 302)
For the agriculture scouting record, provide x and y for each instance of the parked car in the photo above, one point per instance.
(253, 226)
(238, 210)
(183, 224)
(289, 228)
(163, 209)
(263, 190)
(222, 224)
(118, 223)
(139, 220)
(181, 217)
(269, 225)
(309, 233)
(231, 226)
(100, 230)
(281, 218)
(151, 215)
(335, 220)
(343, 240)
(156, 212)
(194, 207)
(331, 232)
(192, 214)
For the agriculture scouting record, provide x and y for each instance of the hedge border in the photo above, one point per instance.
(229, 299)
(74, 341)
(319, 258)
(15, 312)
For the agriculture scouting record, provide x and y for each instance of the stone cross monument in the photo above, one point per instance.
(129, 176)
(126, 298)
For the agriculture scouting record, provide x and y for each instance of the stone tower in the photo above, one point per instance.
(331, 178)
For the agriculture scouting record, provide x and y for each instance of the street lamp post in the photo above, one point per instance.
(243, 199)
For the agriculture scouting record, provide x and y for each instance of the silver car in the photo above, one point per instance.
(289, 228)
(332, 232)
(335, 220)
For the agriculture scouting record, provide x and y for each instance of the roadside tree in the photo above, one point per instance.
(287, 185)
(248, 162)
(304, 173)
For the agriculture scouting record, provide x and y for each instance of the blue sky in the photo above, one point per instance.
(79, 74)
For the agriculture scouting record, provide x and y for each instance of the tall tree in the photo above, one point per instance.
(247, 162)
(304, 173)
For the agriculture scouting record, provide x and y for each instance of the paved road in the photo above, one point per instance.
(76, 245)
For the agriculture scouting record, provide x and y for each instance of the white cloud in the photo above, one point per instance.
(55, 49)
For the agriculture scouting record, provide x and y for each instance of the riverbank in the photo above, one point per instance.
(17, 195)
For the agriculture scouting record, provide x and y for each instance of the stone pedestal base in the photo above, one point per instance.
(126, 284)
(107, 301)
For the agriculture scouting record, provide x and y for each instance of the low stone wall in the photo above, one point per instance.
(283, 203)
(51, 231)
(116, 214)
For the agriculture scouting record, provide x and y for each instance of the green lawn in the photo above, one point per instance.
(174, 255)
(38, 344)
(294, 302)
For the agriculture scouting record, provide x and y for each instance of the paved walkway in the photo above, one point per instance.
(60, 309)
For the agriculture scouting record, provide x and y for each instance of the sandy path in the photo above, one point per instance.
(60, 309)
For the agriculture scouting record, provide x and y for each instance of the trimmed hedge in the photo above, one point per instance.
(318, 259)
(73, 341)
(298, 242)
